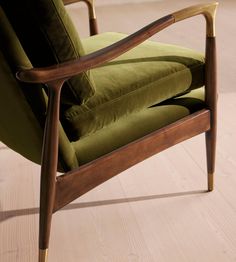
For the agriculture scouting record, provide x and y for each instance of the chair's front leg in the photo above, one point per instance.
(49, 168)
(211, 101)
(211, 94)
(209, 11)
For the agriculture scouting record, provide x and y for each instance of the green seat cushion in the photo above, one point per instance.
(147, 75)
(136, 125)
(48, 37)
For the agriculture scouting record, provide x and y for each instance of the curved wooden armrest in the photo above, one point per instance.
(68, 69)
(71, 68)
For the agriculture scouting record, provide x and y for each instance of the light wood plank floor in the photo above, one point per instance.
(155, 211)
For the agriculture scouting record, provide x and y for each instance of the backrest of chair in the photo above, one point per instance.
(19, 128)
(23, 106)
(48, 36)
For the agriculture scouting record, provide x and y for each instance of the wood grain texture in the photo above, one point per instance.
(49, 163)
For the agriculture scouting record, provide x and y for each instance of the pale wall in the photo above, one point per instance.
(112, 2)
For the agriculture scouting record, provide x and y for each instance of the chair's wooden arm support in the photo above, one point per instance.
(92, 14)
(208, 10)
(69, 69)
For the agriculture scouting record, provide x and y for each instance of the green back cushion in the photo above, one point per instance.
(48, 36)
(23, 106)
(19, 128)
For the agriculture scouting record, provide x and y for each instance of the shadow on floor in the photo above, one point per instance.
(5, 215)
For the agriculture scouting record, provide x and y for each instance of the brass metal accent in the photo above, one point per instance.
(91, 12)
(210, 182)
(90, 4)
(43, 255)
(208, 10)
(91, 7)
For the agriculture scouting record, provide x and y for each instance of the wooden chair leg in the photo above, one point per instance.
(211, 101)
(44, 232)
(211, 151)
(45, 219)
(49, 168)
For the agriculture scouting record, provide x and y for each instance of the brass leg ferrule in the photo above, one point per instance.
(43, 255)
(210, 182)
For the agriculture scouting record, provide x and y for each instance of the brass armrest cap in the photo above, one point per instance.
(208, 10)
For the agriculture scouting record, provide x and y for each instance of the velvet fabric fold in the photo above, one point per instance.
(149, 74)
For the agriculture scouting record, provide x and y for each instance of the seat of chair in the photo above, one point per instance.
(147, 75)
(137, 125)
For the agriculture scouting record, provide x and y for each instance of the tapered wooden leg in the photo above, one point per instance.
(211, 101)
(93, 26)
(44, 230)
(211, 151)
(49, 168)
(43, 255)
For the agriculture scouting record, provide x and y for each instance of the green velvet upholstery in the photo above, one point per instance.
(117, 114)
(149, 74)
(19, 129)
(22, 107)
(136, 125)
(48, 36)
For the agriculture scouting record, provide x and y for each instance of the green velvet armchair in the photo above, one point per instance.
(91, 108)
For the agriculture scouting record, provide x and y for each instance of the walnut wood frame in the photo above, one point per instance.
(56, 192)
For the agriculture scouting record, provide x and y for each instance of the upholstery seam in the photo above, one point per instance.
(63, 25)
(72, 45)
(76, 53)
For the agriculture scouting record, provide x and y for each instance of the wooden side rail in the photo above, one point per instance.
(91, 11)
(79, 181)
